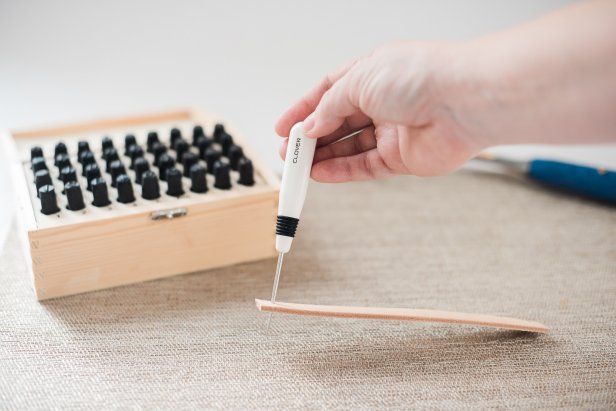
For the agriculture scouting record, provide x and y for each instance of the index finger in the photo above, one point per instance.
(306, 105)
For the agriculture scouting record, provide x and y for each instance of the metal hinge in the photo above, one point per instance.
(169, 214)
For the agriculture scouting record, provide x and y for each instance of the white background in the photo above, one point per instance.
(245, 61)
(69, 60)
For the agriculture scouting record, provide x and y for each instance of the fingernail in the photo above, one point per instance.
(309, 123)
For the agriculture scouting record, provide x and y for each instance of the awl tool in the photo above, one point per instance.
(295, 178)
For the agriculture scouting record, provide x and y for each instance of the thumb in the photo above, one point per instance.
(335, 106)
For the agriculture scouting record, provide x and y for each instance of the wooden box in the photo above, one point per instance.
(72, 252)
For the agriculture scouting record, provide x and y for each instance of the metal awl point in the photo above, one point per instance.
(275, 288)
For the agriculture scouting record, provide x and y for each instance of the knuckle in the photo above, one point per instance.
(368, 167)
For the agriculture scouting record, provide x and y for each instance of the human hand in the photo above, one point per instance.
(426, 108)
(399, 97)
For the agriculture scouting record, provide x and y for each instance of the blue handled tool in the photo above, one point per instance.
(596, 183)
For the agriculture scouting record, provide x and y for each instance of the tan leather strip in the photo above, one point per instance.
(401, 314)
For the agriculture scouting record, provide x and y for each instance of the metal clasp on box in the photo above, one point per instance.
(169, 214)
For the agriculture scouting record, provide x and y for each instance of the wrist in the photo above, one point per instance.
(477, 92)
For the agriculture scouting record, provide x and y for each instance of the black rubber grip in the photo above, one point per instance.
(286, 226)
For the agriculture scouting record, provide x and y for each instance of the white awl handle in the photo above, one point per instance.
(295, 178)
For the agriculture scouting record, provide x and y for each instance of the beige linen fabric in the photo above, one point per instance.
(467, 242)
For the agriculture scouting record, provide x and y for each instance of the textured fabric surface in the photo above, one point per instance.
(466, 242)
